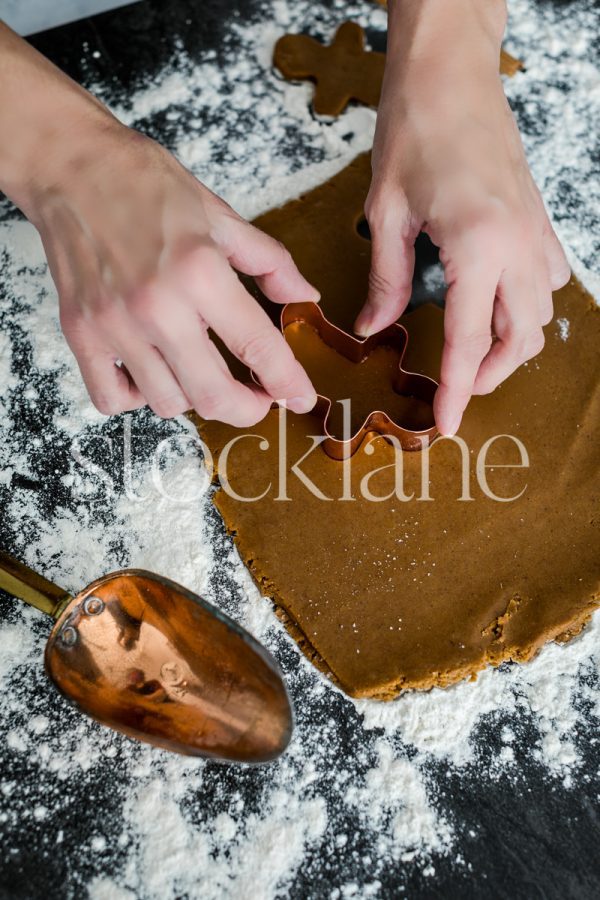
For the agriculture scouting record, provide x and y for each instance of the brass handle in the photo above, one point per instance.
(21, 581)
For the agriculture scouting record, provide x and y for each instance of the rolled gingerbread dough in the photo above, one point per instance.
(408, 593)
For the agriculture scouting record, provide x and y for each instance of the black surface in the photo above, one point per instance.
(532, 838)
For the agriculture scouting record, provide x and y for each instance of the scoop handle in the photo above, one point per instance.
(21, 581)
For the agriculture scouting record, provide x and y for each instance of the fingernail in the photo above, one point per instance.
(301, 404)
(363, 327)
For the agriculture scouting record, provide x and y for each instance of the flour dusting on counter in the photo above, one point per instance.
(364, 788)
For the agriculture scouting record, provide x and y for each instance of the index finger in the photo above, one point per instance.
(271, 265)
(246, 329)
(468, 337)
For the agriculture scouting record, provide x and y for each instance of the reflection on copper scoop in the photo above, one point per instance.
(145, 656)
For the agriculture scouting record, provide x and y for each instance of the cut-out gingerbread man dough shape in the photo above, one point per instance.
(344, 70)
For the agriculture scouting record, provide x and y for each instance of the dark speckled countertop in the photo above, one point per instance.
(525, 837)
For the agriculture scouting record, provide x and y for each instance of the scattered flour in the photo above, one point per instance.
(441, 722)
(180, 827)
(564, 327)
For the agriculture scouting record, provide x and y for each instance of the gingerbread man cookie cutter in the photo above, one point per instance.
(408, 384)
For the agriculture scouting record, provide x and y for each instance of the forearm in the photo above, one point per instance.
(442, 63)
(42, 113)
(434, 35)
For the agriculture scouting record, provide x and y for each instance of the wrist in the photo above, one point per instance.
(46, 122)
(433, 31)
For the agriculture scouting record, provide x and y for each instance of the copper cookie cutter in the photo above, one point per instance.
(408, 384)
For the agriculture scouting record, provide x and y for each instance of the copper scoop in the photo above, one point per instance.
(145, 656)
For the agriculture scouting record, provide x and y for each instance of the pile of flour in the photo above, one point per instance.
(361, 788)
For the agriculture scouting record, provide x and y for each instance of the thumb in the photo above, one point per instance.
(255, 253)
(392, 267)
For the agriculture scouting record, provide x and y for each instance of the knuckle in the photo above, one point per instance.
(485, 387)
(283, 251)
(487, 381)
(474, 344)
(534, 343)
(209, 406)
(528, 344)
(206, 258)
(95, 313)
(388, 207)
(105, 319)
(242, 418)
(285, 385)
(490, 231)
(374, 212)
(169, 406)
(380, 285)
(257, 348)
(140, 302)
(96, 302)
(223, 409)
(105, 404)
(492, 212)
(372, 206)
